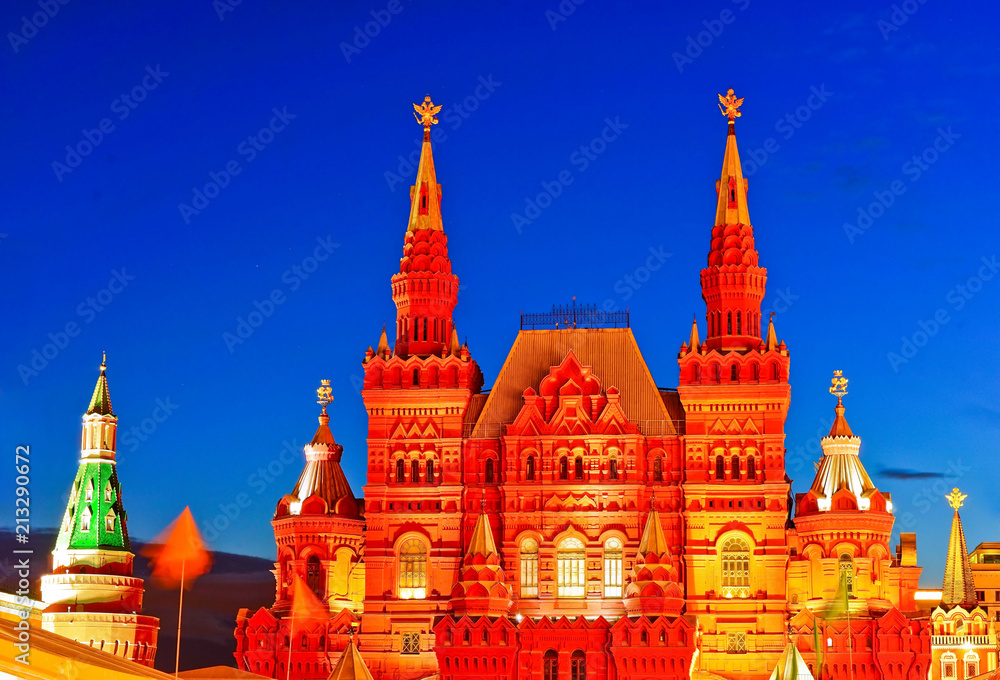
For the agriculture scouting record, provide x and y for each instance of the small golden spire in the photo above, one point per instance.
(428, 113)
(104, 361)
(732, 105)
(955, 499)
(839, 387)
(324, 394)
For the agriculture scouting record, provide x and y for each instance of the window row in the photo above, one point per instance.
(413, 468)
(87, 517)
(578, 467)
(577, 665)
(733, 467)
(715, 372)
(752, 325)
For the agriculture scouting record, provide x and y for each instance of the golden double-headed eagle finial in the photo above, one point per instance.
(730, 105)
(955, 499)
(426, 113)
(839, 386)
(324, 394)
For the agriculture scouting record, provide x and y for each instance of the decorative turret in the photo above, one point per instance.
(653, 588)
(425, 291)
(482, 589)
(959, 589)
(322, 478)
(732, 283)
(318, 527)
(91, 593)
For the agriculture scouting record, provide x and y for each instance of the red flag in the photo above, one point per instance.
(305, 605)
(179, 548)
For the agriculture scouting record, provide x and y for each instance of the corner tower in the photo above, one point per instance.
(91, 595)
(735, 393)
(418, 397)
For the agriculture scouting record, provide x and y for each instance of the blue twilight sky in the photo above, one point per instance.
(844, 104)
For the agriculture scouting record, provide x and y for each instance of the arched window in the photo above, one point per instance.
(847, 574)
(948, 665)
(775, 375)
(734, 373)
(658, 469)
(729, 323)
(720, 467)
(971, 660)
(416, 372)
(578, 467)
(613, 468)
(529, 469)
(578, 666)
(489, 471)
(751, 468)
(739, 325)
(400, 471)
(697, 373)
(412, 570)
(613, 567)
(716, 372)
(314, 576)
(415, 471)
(430, 472)
(529, 568)
(572, 568)
(550, 665)
(563, 468)
(735, 567)
(736, 466)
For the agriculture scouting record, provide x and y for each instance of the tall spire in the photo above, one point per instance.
(694, 343)
(653, 541)
(425, 195)
(425, 291)
(959, 589)
(733, 283)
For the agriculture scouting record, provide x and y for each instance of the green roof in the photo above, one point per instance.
(96, 498)
(100, 403)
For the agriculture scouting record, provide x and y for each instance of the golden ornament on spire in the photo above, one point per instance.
(732, 105)
(955, 499)
(839, 387)
(104, 361)
(324, 394)
(427, 113)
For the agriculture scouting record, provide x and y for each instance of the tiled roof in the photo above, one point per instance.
(613, 355)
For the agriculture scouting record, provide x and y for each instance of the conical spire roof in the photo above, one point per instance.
(731, 207)
(653, 541)
(350, 666)
(425, 194)
(694, 343)
(481, 542)
(772, 336)
(959, 589)
(100, 402)
(383, 343)
(791, 665)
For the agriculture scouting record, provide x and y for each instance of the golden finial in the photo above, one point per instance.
(427, 111)
(104, 361)
(955, 498)
(732, 105)
(839, 387)
(324, 394)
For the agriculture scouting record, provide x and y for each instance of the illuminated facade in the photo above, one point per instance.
(577, 522)
(91, 595)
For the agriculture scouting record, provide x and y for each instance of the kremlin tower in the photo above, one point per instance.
(91, 595)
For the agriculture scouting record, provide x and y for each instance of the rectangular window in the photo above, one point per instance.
(736, 643)
(612, 574)
(411, 643)
(572, 573)
(529, 574)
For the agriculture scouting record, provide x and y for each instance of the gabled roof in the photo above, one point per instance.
(611, 353)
